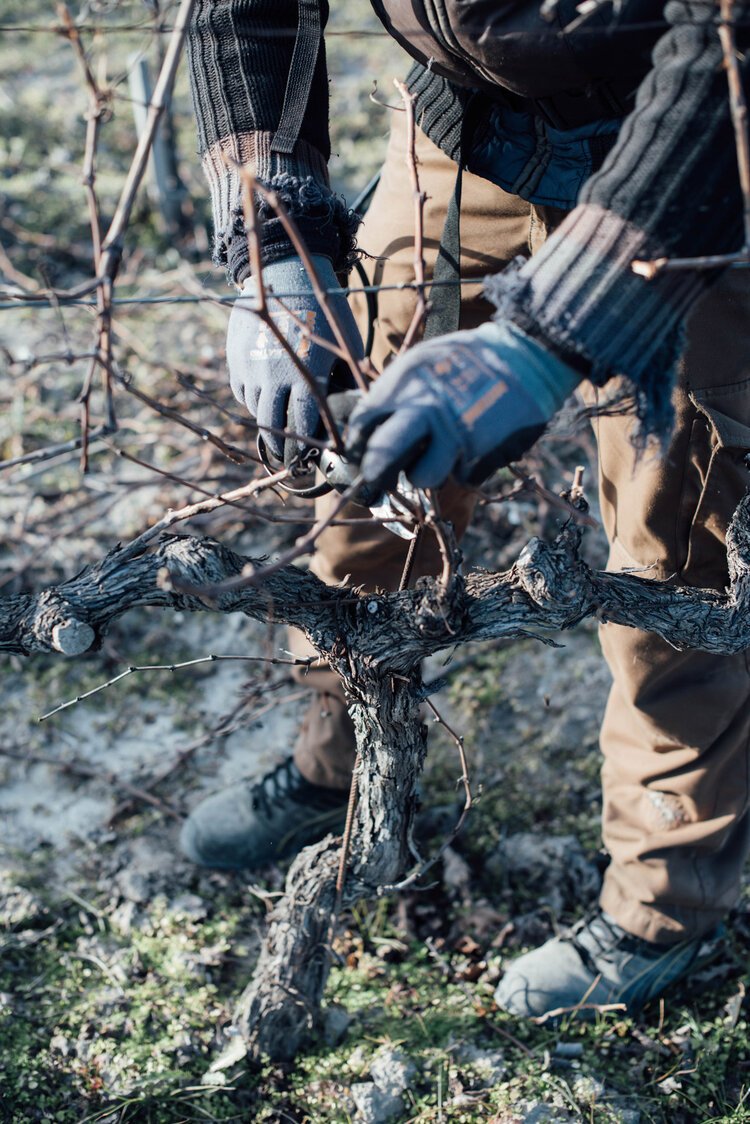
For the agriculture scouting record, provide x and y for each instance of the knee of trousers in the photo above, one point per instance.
(666, 510)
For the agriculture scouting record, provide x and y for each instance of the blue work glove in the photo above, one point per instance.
(462, 404)
(262, 375)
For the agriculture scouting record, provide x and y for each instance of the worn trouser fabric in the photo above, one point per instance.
(676, 731)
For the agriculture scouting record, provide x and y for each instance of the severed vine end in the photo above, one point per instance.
(73, 637)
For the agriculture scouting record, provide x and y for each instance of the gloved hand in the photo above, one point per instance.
(466, 403)
(262, 375)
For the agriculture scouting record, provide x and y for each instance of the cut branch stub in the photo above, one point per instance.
(73, 638)
(56, 625)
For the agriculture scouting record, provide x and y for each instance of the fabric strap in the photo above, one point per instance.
(300, 79)
(445, 299)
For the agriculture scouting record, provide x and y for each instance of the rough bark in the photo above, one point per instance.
(549, 587)
(376, 642)
(279, 1008)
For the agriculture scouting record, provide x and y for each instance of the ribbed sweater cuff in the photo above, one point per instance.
(438, 108)
(580, 297)
(305, 168)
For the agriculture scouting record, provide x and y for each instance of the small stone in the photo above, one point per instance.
(489, 1065)
(456, 871)
(544, 1114)
(373, 1105)
(357, 1061)
(568, 1049)
(122, 918)
(233, 1052)
(335, 1024)
(133, 885)
(59, 1044)
(19, 908)
(146, 871)
(392, 1071)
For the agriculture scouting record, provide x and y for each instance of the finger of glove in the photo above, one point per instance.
(348, 326)
(272, 414)
(393, 447)
(303, 416)
(361, 424)
(435, 466)
(246, 372)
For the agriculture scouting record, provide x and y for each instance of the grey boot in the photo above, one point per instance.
(257, 822)
(595, 963)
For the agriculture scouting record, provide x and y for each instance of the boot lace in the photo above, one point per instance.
(274, 787)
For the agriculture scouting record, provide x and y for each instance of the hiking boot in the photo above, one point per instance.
(258, 822)
(596, 963)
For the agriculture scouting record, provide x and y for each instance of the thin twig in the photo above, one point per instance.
(138, 544)
(464, 780)
(133, 668)
(233, 452)
(475, 1000)
(252, 576)
(112, 244)
(321, 294)
(98, 108)
(446, 540)
(419, 198)
(530, 484)
(222, 730)
(51, 451)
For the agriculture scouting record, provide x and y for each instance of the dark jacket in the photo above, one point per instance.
(488, 44)
(668, 186)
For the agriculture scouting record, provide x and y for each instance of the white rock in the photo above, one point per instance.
(392, 1071)
(489, 1065)
(375, 1106)
(538, 1113)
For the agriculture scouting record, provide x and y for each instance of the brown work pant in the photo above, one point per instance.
(677, 725)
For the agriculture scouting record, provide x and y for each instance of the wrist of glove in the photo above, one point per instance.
(464, 404)
(262, 374)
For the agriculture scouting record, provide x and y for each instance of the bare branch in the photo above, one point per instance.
(134, 668)
(112, 245)
(420, 197)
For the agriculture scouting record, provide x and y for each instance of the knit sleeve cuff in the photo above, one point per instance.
(580, 298)
(300, 180)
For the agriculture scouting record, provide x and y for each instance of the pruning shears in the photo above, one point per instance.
(339, 474)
